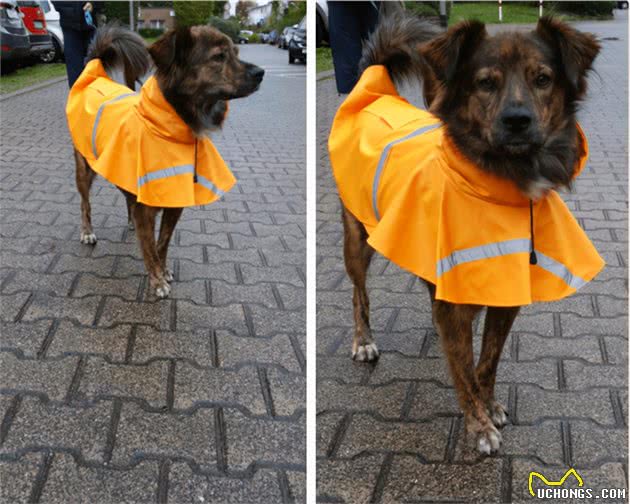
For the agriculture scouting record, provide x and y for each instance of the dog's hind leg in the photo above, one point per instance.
(454, 324)
(496, 329)
(84, 178)
(144, 219)
(167, 226)
(357, 256)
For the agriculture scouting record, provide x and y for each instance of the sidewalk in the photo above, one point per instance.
(393, 432)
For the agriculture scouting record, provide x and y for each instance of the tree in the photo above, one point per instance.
(242, 6)
(196, 13)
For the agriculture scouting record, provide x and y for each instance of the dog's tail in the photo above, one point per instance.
(122, 52)
(394, 43)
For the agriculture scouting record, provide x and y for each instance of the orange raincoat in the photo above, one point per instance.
(139, 143)
(434, 213)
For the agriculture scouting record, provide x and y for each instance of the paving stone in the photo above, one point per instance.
(342, 369)
(287, 274)
(609, 475)
(617, 350)
(331, 339)
(47, 377)
(101, 266)
(395, 367)
(328, 424)
(192, 345)
(543, 372)
(90, 285)
(191, 317)
(337, 479)
(26, 338)
(612, 307)
(185, 486)
(582, 376)
(141, 433)
(367, 433)
(297, 486)
(24, 280)
(591, 444)
(66, 480)
(218, 386)
(573, 325)
(532, 347)
(17, 478)
(12, 305)
(39, 424)
(70, 339)
(220, 271)
(147, 383)
(287, 392)
(224, 294)
(431, 400)
(117, 311)
(44, 305)
(534, 403)
(411, 480)
(261, 440)
(386, 400)
(36, 263)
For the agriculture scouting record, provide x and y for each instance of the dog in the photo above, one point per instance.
(500, 136)
(125, 136)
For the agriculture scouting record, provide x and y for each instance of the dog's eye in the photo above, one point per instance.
(219, 57)
(542, 81)
(486, 84)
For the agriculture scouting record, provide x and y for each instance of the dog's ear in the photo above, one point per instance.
(576, 50)
(174, 45)
(445, 53)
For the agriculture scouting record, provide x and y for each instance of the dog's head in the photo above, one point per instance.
(198, 69)
(508, 101)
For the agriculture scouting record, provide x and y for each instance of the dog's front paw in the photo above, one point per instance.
(168, 275)
(163, 290)
(88, 238)
(498, 414)
(365, 353)
(489, 441)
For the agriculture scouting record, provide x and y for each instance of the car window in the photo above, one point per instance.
(45, 6)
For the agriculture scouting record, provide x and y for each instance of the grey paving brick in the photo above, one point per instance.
(12, 304)
(50, 378)
(543, 373)
(611, 306)
(25, 280)
(591, 444)
(287, 274)
(297, 486)
(193, 345)
(70, 338)
(118, 311)
(573, 326)
(252, 440)
(328, 424)
(27, 338)
(582, 376)
(39, 424)
(224, 293)
(44, 305)
(185, 486)
(38, 263)
(101, 266)
(240, 387)
(338, 478)
(342, 369)
(173, 435)
(532, 347)
(287, 390)
(67, 480)
(17, 478)
(616, 349)
(147, 383)
(367, 433)
(268, 322)
(220, 271)
(394, 367)
(191, 317)
(534, 403)
(90, 285)
(430, 400)
(384, 399)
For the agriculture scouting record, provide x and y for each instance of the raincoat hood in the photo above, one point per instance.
(139, 143)
(431, 211)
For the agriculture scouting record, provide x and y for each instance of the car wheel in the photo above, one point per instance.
(291, 60)
(53, 55)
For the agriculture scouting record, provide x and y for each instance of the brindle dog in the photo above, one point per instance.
(508, 102)
(197, 70)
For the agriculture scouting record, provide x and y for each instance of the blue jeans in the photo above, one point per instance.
(75, 48)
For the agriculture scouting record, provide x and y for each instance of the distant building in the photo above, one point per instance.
(161, 18)
(257, 15)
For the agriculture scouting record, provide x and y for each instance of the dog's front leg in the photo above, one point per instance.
(144, 218)
(167, 226)
(84, 178)
(496, 329)
(357, 256)
(454, 324)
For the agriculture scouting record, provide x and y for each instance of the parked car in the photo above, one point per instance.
(273, 37)
(35, 22)
(287, 33)
(54, 28)
(321, 31)
(297, 44)
(14, 40)
(243, 36)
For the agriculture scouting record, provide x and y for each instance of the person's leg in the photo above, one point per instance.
(369, 18)
(345, 42)
(75, 51)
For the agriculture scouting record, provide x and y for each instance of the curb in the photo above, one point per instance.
(324, 75)
(34, 87)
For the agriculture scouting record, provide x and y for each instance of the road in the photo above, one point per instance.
(393, 432)
(112, 395)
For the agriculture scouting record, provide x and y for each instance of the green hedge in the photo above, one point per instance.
(428, 9)
(584, 8)
(150, 32)
(230, 27)
(254, 39)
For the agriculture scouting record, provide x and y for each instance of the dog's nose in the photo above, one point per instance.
(516, 119)
(257, 73)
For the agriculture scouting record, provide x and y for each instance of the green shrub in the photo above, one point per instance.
(254, 39)
(585, 8)
(196, 13)
(428, 9)
(150, 32)
(230, 27)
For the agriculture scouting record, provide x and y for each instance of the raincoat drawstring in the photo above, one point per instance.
(532, 254)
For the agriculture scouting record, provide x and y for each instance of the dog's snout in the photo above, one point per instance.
(516, 119)
(257, 73)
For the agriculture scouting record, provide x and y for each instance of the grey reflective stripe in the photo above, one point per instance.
(98, 118)
(383, 158)
(560, 270)
(482, 252)
(164, 173)
(209, 185)
(505, 248)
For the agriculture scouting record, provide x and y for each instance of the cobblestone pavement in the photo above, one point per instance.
(393, 432)
(109, 395)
